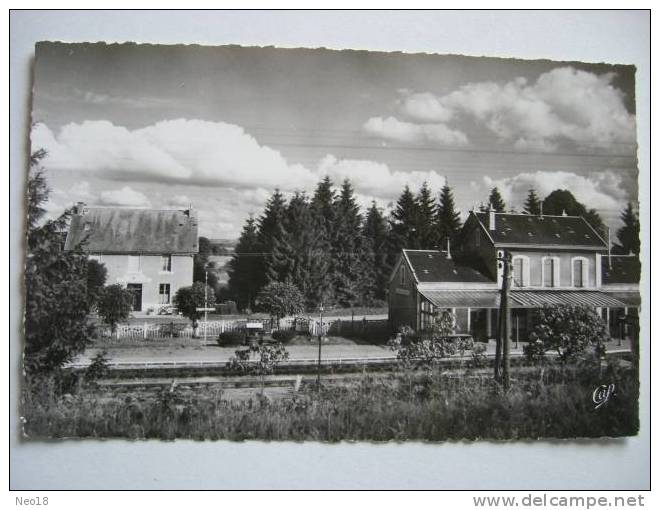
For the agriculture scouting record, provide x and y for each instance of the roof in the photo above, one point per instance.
(119, 230)
(629, 298)
(532, 231)
(625, 269)
(434, 266)
(518, 299)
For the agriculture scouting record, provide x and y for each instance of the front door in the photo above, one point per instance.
(136, 289)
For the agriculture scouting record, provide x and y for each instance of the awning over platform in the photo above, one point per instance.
(520, 298)
(463, 298)
(628, 298)
(538, 298)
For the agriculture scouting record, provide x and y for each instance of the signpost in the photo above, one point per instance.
(205, 308)
(318, 373)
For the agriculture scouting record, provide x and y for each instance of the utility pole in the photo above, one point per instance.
(318, 371)
(503, 345)
(206, 300)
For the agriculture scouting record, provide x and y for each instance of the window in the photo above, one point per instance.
(133, 263)
(164, 294)
(518, 267)
(166, 263)
(580, 275)
(550, 274)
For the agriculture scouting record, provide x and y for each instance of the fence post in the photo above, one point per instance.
(144, 330)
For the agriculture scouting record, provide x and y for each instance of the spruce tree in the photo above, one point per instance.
(375, 233)
(244, 266)
(496, 201)
(426, 218)
(532, 204)
(269, 226)
(353, 274)
(403, 225)
(448, 219)
(322, 208)
(628, 234)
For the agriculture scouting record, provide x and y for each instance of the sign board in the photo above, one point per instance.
(254, 325)
(202, 309)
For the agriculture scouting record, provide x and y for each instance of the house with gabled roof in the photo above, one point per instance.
(556, 260)
(149, 251)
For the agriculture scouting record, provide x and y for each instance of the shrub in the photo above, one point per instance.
(231, 338)
(566, 329)
(98, 368)
(284, 335)
(115, 304)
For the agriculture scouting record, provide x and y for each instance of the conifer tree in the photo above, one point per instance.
(448, 219)
(269, 226)
(353, 274)
(403, 225)
(244, 266)
(496, 201)
(375, 233)
(628, 234)
(532, 204)
(426, 218)
(322, 208)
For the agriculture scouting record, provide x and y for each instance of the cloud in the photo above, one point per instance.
(178, 201)
(562, 105)
(424, 106)
(601, 191)
(201, 153)
(180, 151)
(376, 179)
(125, 196)
(392, 128)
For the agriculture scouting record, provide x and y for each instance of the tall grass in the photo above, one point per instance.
(550, 402)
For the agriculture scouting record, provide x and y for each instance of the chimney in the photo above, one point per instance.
(491, 218)
(448, 249)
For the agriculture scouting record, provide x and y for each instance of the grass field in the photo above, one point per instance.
(550, 402)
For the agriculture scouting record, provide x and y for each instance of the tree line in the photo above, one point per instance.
(336, 255)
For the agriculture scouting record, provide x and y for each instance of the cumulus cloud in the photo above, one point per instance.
(392, 128)
(125, 196)
(424, 106)
(562, 105)
(181, 151)
(601, 191)
(200, 153)
(376, 179)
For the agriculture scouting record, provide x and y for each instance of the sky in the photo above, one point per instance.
(219, 128)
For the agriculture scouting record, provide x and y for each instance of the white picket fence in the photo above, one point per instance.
(149, 331)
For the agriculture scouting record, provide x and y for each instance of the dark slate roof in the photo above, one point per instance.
(119, 230)
(625, 269)
(528, 230)
(434, 266)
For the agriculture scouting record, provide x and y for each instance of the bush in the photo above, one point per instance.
(231, 338)
(567, 330)
(284, 335)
